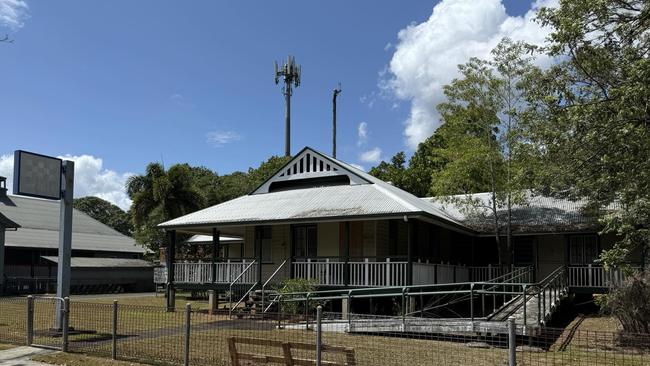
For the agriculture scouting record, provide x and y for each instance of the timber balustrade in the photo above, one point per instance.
(382, 272)
(594, 276)
(226, 272)
(331, 271)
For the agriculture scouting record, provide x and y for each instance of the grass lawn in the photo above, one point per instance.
(6, 346)
(157, 300)
(146, 333)
(74, 359)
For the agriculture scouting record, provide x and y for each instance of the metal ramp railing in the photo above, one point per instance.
(502, 289)
(536, 302)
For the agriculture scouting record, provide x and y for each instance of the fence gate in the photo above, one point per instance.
(47, 322)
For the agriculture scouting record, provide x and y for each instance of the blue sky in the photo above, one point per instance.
(124, 83)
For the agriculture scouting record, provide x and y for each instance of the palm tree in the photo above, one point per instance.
(158, 196)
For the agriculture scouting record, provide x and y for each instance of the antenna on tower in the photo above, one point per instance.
(335, 94)
(290, 72)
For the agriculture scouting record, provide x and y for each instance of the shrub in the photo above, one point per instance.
(630, 303)
(297, 285)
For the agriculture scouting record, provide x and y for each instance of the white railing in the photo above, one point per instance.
(595, 276)
(362, 273)
(324, 272)
(201, 272)
(378, 274)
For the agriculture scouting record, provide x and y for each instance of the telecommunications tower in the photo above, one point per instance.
(290, 72)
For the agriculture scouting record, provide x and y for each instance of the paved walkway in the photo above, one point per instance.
(20, 356)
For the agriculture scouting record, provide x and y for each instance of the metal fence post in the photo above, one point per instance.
(524, 305)
(114, 332)
(186, 348)
(512, 342)
(30, 320)
(66, 323)
(319, 341)
(307, 311)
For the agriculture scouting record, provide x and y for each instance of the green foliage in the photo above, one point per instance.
(105, 212)
(630, 303)
(161, 195)
(588, 119)
(297, 285)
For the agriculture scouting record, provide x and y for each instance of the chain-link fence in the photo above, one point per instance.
(150, 334)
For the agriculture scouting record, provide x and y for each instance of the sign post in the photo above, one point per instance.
(65, 238)
(48, 177)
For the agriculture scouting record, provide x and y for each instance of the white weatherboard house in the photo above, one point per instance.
(322, 219)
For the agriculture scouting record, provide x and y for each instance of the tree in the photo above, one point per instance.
(588, 119)
(478, 143)
(393, 172)
(105, 212)
(161, 195)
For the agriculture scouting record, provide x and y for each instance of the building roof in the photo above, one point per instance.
(90, 262)
(39, 219)
(358, 195)
(365, 196)
(207, 239)
(6, 223)
(537, 214)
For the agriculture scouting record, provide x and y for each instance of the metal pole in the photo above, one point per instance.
(66, 323)
(319, 341)
(114, 332)
(337, 91)
(307, 311)
(2, 259)
(186, 348)
(30, 320)
(524, 305)
(512, 342)
(65, 238)
(287, 118)
(471, 303)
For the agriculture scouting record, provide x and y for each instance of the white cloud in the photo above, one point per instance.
(91, 178)
(180, 100)
(371, 156)
(13, 13)
(220, 138)
(427, 54)
(362, 132)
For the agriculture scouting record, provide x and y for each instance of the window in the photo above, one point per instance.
(583, 249)
(305, 241)
(524, 251)
(264, 239)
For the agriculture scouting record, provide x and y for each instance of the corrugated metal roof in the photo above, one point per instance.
(538, 214)
(361, 200)
(6, 223)
(39, 221)
(88, 262)
(207, 239)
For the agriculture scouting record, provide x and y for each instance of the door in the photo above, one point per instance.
(305, 241)
(583, 249)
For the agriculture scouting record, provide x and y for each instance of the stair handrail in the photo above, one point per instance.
(267, 282)
(242, 298)
(234, 281)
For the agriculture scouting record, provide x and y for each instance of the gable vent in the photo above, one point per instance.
(308, 164)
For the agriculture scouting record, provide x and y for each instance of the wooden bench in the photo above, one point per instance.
(287, 358)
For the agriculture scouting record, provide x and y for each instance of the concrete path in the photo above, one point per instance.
(20, 356)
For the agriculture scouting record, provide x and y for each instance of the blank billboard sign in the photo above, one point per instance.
(37, 175)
